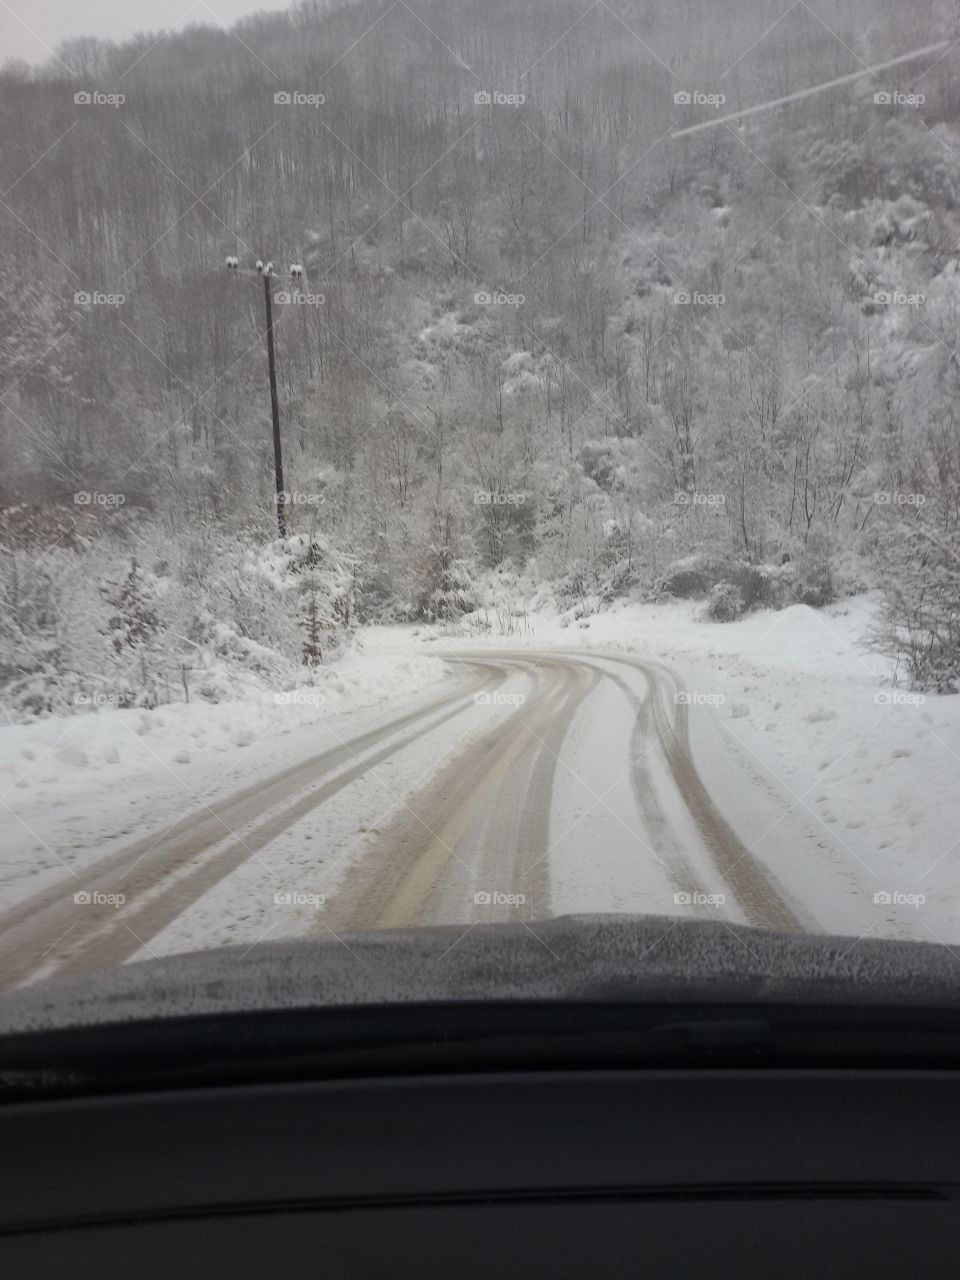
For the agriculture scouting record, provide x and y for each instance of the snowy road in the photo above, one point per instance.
(538, 784)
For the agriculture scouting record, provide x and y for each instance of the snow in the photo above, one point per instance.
(801, 730)
(843, 783)
(70, 787)
(315, 859)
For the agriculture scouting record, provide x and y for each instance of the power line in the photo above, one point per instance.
(816, 88)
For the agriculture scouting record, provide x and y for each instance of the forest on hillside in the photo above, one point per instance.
(540, 344)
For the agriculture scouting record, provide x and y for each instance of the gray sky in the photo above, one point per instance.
(31, 28)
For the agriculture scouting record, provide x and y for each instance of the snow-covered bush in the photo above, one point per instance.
(325, 605)
(725, 604)
(919, 622)
(443, 572)
(88, 626)
(686, 579)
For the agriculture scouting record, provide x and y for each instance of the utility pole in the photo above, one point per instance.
(275, 409)
(266, 271)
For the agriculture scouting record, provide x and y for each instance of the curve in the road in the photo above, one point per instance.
(410, 869)
(481, 820)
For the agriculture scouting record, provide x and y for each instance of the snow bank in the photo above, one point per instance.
(66, 751)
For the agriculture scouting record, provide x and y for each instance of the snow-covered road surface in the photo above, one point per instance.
(641, 762)
(534, 784)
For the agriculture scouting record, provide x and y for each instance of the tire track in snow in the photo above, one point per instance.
(761, 897)
(413, 862)
(664, 840)
(486, 814)
(52, 931)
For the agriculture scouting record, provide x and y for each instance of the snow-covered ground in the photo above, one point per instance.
(841, 782)
(837, 753)
(74, 787)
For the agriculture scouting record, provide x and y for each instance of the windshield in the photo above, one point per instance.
(472, 463)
